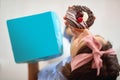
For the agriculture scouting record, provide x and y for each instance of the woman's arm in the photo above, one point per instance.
(33, 69)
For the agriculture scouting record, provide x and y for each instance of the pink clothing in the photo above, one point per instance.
(96, 54)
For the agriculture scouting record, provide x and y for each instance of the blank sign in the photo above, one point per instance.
(35, 37)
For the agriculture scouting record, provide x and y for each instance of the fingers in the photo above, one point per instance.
(66, 22)
(64, 18)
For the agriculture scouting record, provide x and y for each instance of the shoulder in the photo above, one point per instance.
(101, 40)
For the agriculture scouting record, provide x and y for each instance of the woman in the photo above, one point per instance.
(92, 57)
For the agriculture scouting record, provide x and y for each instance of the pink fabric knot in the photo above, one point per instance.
(96, 54)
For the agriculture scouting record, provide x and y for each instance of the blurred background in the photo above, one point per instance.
(107, 24)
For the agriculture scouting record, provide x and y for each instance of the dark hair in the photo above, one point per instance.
(109, 71)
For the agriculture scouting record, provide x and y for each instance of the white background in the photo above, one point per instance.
(107, 24)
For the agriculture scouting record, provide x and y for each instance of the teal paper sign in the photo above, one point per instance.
(36, 37)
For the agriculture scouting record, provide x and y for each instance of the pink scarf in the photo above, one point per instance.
(96, 54)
